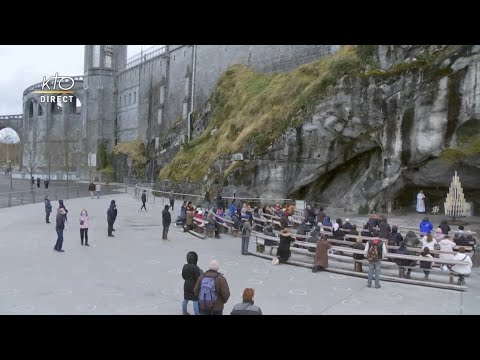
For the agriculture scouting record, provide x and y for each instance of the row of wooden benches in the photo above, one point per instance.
(303, 249)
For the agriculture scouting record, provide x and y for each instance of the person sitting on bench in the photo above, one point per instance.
(462, 270)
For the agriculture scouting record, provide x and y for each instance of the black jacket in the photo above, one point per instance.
(190, 273)
(112, 213)
(60, 224)
(166, 217)
(144, 197)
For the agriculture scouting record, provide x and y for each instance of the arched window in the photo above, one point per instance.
(129, 98)
(135, 97)
(40, 111)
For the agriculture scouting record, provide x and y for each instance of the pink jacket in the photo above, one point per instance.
(83, 218)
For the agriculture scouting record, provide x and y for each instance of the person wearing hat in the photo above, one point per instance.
(246, 231)
(166, 221)
(111, 217)
(283, 251)
(60, 226)
(321, 255)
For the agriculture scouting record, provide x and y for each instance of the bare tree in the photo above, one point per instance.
(31, 154)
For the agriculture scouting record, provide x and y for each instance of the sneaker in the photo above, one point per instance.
(87, 245)
(111, 235)
(61, 250)
(369, 286)
(378, 287)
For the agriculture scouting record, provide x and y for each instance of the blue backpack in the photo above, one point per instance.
(208, 293)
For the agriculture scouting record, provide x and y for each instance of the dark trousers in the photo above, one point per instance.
(212, 312)
(110, 228)
(143, 206)
(165, 232)
(59, 243)
(84, 233)
(47, 217)
(171, 205)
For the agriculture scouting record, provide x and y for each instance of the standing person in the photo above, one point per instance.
(246, 231)
(48, 209)
(246, 307)
(62, 206)
(144, 200)
(207, 201)
(46, 183)
(283, 251)
(189, 218)
(84, 222)
(33, 181)
(166, 220)
(321, 255)
(91, 188)
(38, 182)
(375, 250)
(190, 273)
(111, 217)
(172, 200)
(183, 213)
(212, 291)
(98, 189)
(59, 227)
(421, 202)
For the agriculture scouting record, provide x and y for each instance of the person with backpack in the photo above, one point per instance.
(190, 273)
(144, 200)
(212, 291)
(375, 250)
(84, 222)
(246, 231)
(59, 227)
(246, 307)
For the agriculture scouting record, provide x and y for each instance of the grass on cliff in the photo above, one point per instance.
(135, 151)
(251, 109)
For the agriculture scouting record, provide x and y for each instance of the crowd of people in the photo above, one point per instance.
(209, 291)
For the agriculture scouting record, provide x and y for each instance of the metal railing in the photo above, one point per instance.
(16, 198)
(199, 199)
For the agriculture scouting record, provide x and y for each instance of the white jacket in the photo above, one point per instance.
(462, 269)
(446, 245)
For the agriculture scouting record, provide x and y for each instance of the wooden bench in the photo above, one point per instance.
(349, 250)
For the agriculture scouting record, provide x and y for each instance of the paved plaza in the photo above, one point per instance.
(138, 273)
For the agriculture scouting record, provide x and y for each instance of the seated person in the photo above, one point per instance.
(461, 269)
(359, 245)
(269, 232)
(404, 262)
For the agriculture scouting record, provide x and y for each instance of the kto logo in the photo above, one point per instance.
(60, 86)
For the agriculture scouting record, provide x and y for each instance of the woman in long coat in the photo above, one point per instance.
(283, 251)
(321, 255)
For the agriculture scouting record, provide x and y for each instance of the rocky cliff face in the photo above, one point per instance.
(406, 122)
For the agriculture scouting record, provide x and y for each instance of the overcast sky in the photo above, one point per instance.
(25, 65)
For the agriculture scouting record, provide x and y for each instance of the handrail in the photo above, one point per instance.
(201, 196)
(39, 189)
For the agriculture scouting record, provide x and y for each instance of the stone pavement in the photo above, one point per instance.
(138, 273)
